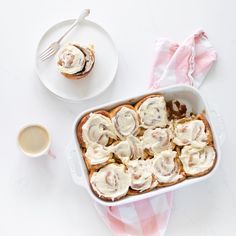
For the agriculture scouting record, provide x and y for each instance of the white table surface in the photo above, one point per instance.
(38, 197)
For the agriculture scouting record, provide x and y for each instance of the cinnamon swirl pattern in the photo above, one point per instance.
(197, 161)
(135, 148)
(152, 112)
(110, 182)
(167, 168)
(125, 121)
(98, 129)
(75, 61)
(157, 140)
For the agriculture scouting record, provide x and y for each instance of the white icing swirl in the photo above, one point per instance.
(130, 149)
(74, 59)
(153, 113)
(97, 154)
(125, 122)
(189, 132)
(98, 129)
(71, 59)
(165, 168)
(157, 140)
(140, 174)
(197, 160)
(111, 181)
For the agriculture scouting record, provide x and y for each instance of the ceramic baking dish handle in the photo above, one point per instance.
(74, 165)
(219, 124)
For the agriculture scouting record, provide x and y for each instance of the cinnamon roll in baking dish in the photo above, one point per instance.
(167, 168)
(152, 111)
(142, 179)
(197, 161)
(97, 156)
(129, 149)
(75, 61)
(96, 128)
(125, 120)
(110, 182)
(157, 140)
(192, 130)
(132, 149)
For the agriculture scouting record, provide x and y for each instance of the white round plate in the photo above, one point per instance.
(102, 74)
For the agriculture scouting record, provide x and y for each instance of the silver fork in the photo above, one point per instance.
(54, 47)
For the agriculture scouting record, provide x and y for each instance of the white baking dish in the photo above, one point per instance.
(78, 167)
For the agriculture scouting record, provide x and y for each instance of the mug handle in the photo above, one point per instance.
(74, 166)
(218, 122)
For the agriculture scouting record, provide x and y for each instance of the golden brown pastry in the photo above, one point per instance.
(75, 61)
(111, 182)
(142, 179)
(96, 156)
(157, 140)
(197, 161)
(152, 112)
(167, 168)
(125, 120)
(96, 128)
(129, 149)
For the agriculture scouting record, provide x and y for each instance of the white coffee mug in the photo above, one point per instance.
(34, 140)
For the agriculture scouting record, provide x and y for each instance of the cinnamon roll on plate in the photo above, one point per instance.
(111, 182)
(125, 120)
(197, 161)
(96, 128)
(167, 168)
(75, 61)
(152, 111)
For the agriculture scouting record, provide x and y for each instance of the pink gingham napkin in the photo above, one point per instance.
(185, 63)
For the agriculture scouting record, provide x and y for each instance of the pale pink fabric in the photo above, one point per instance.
(174, 63)
(186, 63)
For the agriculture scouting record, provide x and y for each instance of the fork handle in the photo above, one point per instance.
(84, 14)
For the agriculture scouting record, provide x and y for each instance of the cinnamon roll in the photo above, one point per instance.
(167, 168)
(141, 176)
(190, 131)
(97, 156)
(157, 140)
(127, 150)
(197, 161)
(75, 61)
(110, 182)
(152, 111)
(125, 120)
(96, 128)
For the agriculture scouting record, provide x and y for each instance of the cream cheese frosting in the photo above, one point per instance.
(165, 168)
(74, 59)
(98, 129)
(153, 113)
(197, 160)
(129, 149)
(189, 132)
(157, 140)
(126, 122)
(97, 154)
(71, 59)
(111, 181)
(140, 174)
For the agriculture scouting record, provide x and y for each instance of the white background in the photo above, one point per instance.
(38, 197)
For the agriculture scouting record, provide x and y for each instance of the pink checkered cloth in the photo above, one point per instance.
(185, 63)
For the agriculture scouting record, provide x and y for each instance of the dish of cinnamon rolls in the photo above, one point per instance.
(135, 148)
